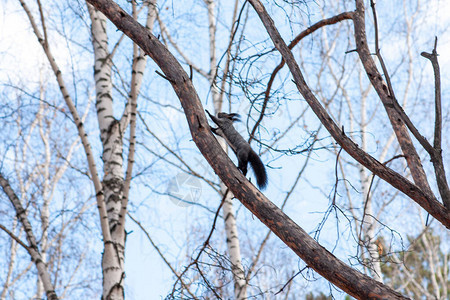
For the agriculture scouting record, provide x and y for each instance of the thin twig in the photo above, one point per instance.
(289, 281)
(292, 44)
(368, 195)
(252, 267)
(378, 53)
(161, 254)
(164, 76)
(205, 244)
(15, 237)
(405, 117)
(336, 175)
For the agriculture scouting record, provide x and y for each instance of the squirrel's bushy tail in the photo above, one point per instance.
(258, 169)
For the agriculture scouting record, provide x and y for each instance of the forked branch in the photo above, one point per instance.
(292, 44)
(420, 195)
(436, 153)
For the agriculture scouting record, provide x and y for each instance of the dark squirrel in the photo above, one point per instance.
(240, 146)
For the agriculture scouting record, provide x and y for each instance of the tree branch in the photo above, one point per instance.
(389, 101)
(15, 237)
(292, 44)
(436, 153)
(425, 200)
(183, 284)
(80, 127)
(33, 249)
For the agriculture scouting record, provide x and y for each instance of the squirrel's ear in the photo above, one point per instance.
(234, 117)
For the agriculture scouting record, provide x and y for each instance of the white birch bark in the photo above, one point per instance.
(78, 122)
(139, 64)
(369, 221)
(231, 231)
(234, 248)
(45, 209)
(110, 132)
(112, 142)
(115, 188)
(112, 262)
(110, 191)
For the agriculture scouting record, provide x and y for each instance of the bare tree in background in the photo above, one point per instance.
(112, 190)
(38, 172)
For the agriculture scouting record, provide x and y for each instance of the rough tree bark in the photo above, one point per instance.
(414, 163)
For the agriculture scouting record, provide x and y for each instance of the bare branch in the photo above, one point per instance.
(292, 44)
(138, 67)
(436, 153)
(174, 44)
(388, 101)
(15, 237)
(33, 249)
(80, 127)
(162, 255)
(426, 200)
(203, 248)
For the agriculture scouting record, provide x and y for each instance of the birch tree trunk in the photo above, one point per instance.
(231, 230)
(234, 247)
(115, 184)
(111, 137)
(369, 221)
(12, 260)
(112, 193)
(45, 210)
(315, 256)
